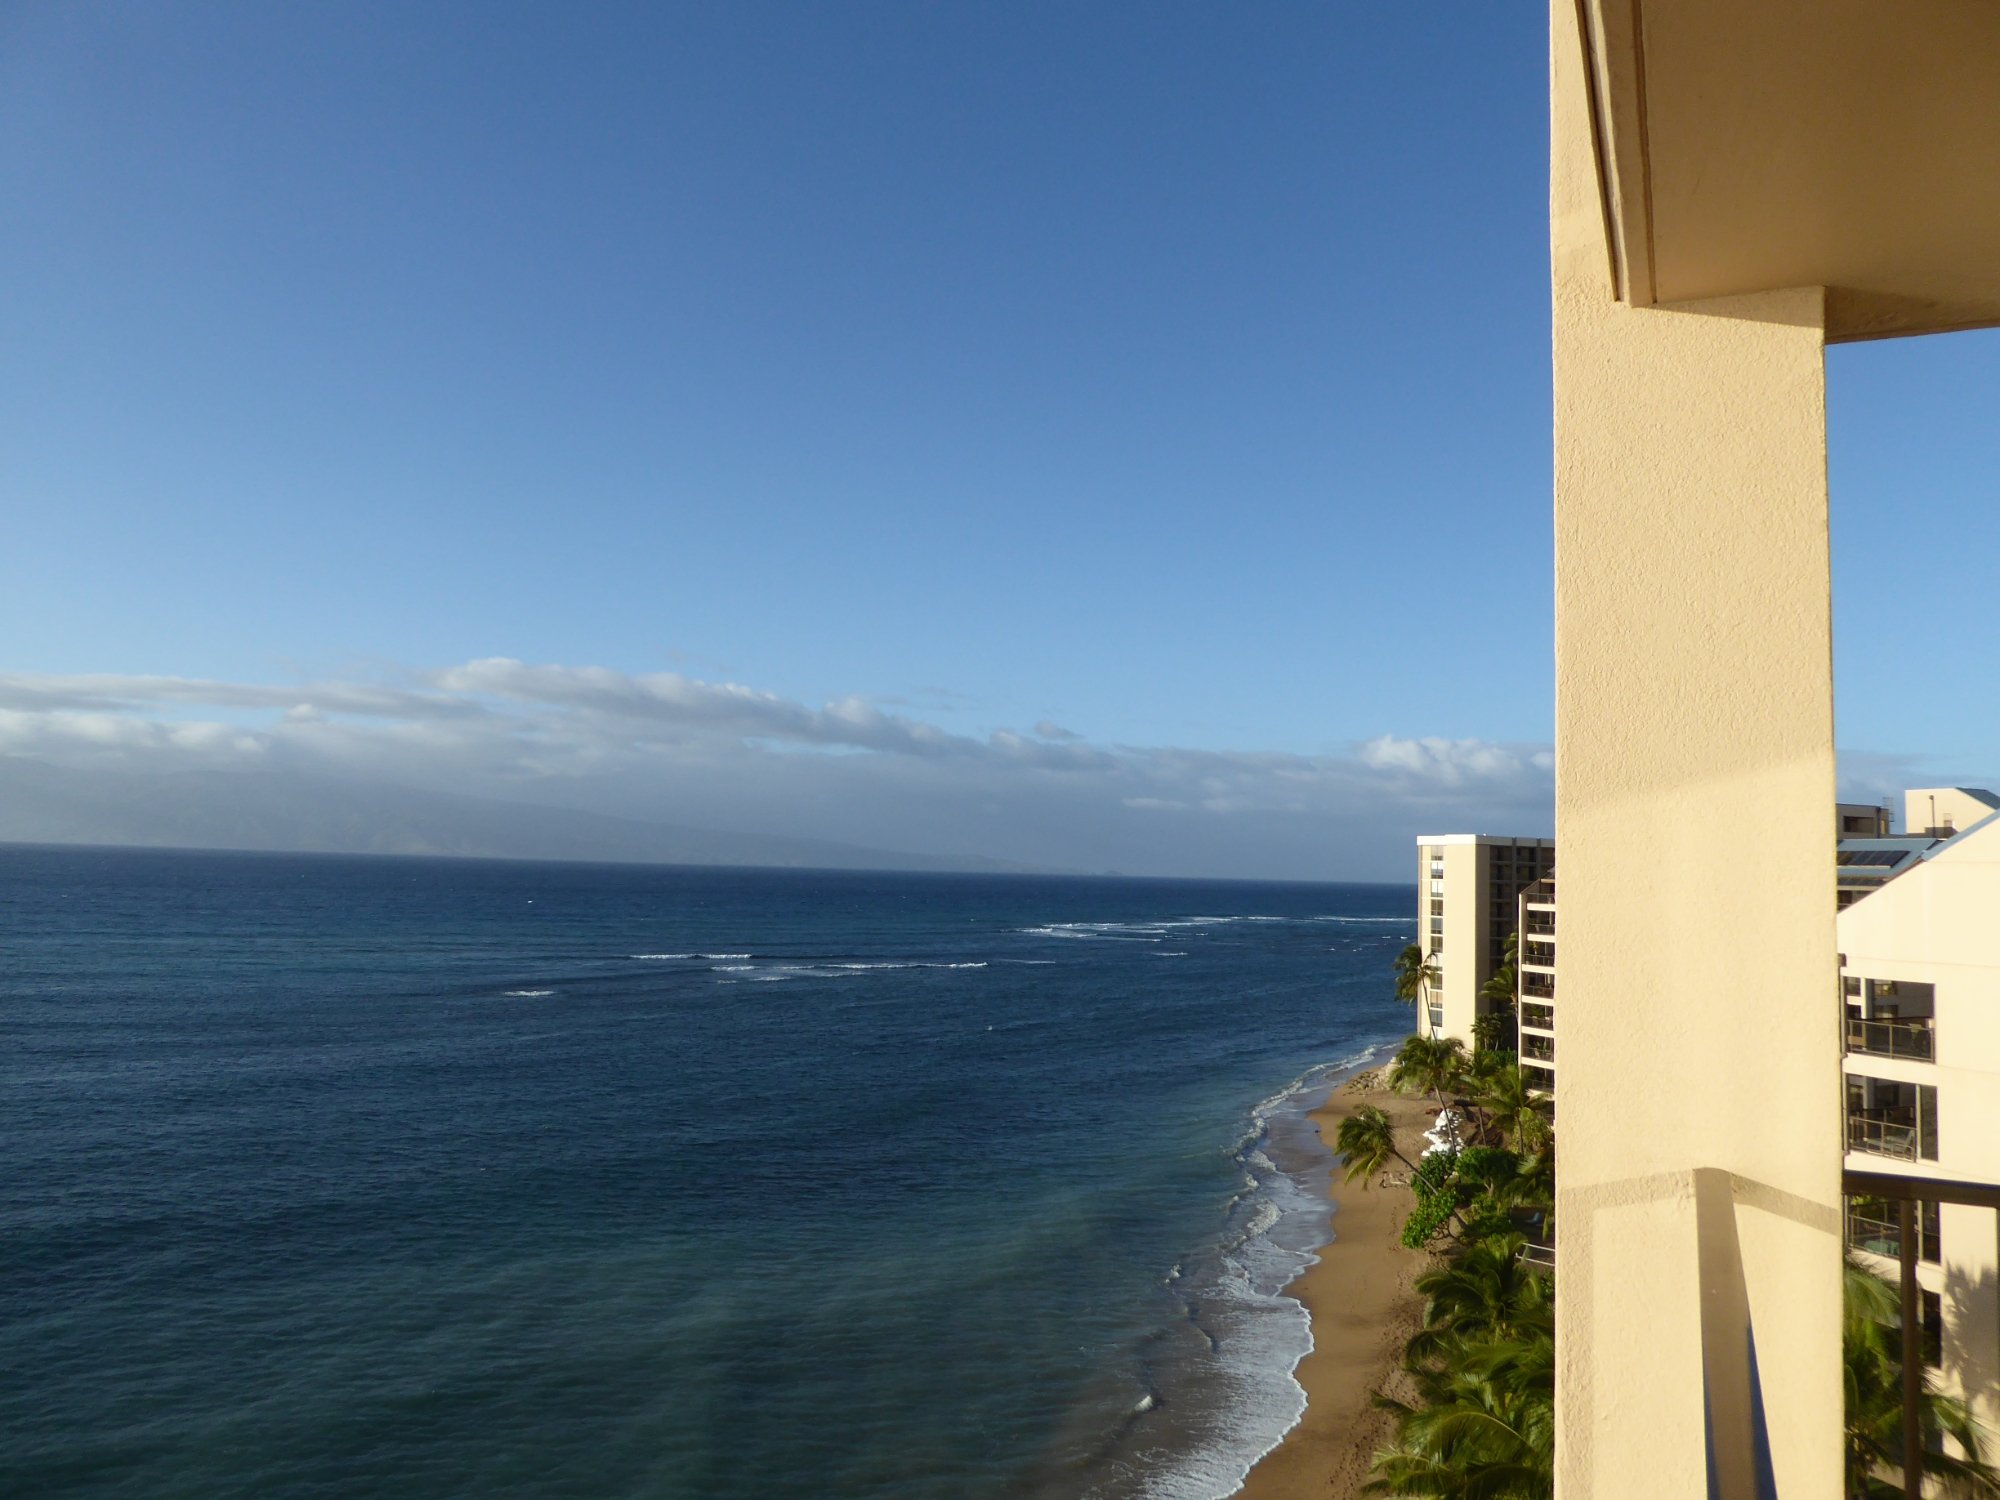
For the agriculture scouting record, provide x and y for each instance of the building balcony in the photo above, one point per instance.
(1538, 1017)
(1891, 1133)
(1872, 1226)
(1539, 1048)
(1914, 1039)
(1538, 986)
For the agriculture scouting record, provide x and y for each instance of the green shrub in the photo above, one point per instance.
(1435, 1182)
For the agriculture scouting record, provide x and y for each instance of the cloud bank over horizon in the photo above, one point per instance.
(673, 748)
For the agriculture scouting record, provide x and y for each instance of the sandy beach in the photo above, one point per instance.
(1363, 1309)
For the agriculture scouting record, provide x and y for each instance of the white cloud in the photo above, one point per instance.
(678, 748)
(1454, 762)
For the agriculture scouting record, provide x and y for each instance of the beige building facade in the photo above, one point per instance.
(1920, 978)
(1941, 811)
(1731, 188)
(1535, 984)
(1468, 886)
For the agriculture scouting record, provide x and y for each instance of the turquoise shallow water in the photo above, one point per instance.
(343, 1177)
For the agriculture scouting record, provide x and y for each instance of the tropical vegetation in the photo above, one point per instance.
(1871, 1343)
(1476, 1417)
(1416, 971)
(1481, 1370)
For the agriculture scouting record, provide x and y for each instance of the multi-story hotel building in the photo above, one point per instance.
(1920, 981)
(1468, 887)
(1535, 983)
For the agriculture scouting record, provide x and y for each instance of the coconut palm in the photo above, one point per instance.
(1368, 1140)
(1872, 1350)
(1428, 1065)
(1496, 997)
(1513, 1109)
(1483, 1292)
(1484, 1425)
(1416, 972)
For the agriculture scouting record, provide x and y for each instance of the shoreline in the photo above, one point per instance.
(1362, 1306)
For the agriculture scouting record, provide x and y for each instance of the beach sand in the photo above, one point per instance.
(1363, 1310)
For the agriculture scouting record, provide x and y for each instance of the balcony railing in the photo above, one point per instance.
(1538, 1017)
(1881, 1135)
(1873, 1225)
(1539, 925)
(1540, 1048)
(1913, 1039)
(1540, 986)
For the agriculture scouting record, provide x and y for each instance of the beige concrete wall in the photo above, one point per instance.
(1936, 925)
(1699, 1191)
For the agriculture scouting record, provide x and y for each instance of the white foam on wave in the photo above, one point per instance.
(1410, 920)
(1247, 1391)
(527, 994)
(1115, 932)
(687, 955)
(913, 964)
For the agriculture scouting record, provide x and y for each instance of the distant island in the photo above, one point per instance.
(280, 811)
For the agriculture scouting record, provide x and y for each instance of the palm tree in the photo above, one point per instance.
(1484, 1425)
(1428, 1065)
(1368, 1140)
(1484, 1292)
(1510, 1106)
(1496, 996)
(1416, 972)
(1872, 1350)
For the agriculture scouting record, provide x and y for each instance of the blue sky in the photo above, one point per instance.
(1174, 376)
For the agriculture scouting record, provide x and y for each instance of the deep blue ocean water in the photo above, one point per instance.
(327, 1176)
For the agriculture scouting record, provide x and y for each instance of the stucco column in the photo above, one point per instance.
(1698, 1105)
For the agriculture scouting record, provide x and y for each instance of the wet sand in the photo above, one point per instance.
(1363, 1310)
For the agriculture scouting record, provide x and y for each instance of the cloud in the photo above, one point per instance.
(1453, 762)
(721, 754)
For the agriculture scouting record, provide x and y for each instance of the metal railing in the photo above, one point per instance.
(1914, 1039)
(1874, 1225)
(1540, 1048)
(1913, 1196)
(1541, 1257)
(1542, 1017)
(1540, 986)
(1872, 1132)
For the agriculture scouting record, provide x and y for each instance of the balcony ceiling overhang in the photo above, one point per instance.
(1749, 145)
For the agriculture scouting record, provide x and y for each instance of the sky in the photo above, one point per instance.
(1075, 433)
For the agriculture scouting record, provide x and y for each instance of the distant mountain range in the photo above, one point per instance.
(41, 803)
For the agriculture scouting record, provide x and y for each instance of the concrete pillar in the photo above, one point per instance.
(1698, 1103)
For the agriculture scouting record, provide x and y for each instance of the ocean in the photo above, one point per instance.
(332, 1177)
